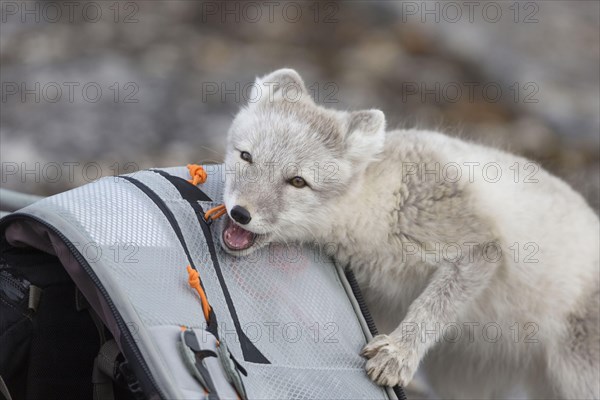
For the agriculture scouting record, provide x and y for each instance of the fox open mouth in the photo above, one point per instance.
(237, 238)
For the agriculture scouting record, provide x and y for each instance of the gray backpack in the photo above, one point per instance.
(284, 322)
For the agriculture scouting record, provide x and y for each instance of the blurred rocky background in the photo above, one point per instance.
(98, 88)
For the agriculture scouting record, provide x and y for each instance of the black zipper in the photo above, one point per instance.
(123, 329)
(361, 301)
(249, 350)
(398, 390)
(192, 195)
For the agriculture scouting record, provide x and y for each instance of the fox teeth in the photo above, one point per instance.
(237, 238)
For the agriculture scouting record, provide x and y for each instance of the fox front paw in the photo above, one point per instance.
(391, 362)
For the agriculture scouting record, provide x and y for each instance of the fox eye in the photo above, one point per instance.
(297, 182)
(246, 156)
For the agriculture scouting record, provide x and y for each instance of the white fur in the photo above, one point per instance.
(382, 219)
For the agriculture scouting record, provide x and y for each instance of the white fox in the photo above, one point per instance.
(480, 267)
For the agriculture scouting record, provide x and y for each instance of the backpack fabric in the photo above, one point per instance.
(284, 322)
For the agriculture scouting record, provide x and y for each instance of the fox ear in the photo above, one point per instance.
(284, 83)
(366, 134)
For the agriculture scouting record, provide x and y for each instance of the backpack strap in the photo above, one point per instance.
(34, 297)
(4, 390)
(210, 361)
(105, 365)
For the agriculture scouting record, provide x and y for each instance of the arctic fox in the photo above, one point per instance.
(480, 267)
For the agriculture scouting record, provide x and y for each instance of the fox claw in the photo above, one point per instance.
(390, 362)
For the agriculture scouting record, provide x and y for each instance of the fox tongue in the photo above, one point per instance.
(236, 237)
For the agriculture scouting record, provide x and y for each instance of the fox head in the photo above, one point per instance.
(289, 161)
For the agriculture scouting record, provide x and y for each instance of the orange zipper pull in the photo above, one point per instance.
(197, 173)
(194, 281)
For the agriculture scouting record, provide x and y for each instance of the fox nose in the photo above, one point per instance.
(240, 214)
